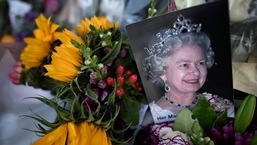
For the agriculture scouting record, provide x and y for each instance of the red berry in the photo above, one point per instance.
(120, 79)
(120, 92)
(120, 69)
(139, 89)
(133, 78)
(128, 73)
(110, 81)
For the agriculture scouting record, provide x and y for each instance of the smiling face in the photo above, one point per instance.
(186, 71)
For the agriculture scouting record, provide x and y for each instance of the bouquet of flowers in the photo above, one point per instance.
(92, 76)
(204, 126)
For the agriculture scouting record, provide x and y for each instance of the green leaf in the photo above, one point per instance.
(222, 119)
(112, 95)
(131, 114)
(77, 44)
(205, 114)
(184, 122)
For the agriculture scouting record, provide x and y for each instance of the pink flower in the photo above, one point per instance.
(16, 74)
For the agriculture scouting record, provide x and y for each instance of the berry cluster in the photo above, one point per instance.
(125, 80)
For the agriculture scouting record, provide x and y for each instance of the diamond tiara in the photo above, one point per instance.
(181, 25)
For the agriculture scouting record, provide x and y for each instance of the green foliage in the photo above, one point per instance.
(131, 105)
(194, 123)
(244, 114)
(82, 99)
(184, 122)
(205, 114)
(197, 136)
(254, 140)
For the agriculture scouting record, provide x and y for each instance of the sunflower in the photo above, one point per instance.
(46, 30)
(34, 53)
(97, 22)
(75, 134)
(67, 59)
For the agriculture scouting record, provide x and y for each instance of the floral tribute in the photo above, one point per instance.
(93, 78)
(204, 126)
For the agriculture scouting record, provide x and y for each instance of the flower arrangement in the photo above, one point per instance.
(204, 126)
(97, 92)
(92, 76)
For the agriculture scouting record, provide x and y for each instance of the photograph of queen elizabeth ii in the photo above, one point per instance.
(183, 56)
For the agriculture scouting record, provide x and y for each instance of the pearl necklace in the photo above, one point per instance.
(180, 105)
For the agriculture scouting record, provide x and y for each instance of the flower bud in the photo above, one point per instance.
(103, 96)
(95, 58)
(93, 75)
(106, 49)
(120, 92)
(101, 84)
(87, 62)
(104, 43)
(110, 81)
(120, 79)
(88, 51)
(104, 70)
(109, 33)
(123, 52)
(133, 78)
(120, 69)
(100, 66)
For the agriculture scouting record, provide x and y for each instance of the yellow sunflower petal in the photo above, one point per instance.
(99, 136)
(73, 136)
(45, 29)
(35, 51)
(85, 133)
(97, 22)
(93, 135)
(67, 59)
(67, 35)
(57, 136)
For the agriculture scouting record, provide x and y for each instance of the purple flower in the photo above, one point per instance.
(101, 84)
(93, 75)
(92, 81)
(96, 91)
(20, 37)
(154, 130)
(89, 103)
(30, 16)
(104, 95)
(109, 63)
(243, 139)
(123, 52)
(106, 50)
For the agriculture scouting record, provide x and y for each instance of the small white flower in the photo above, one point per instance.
(101, 35)
(87, 62)
(104, 43)
(100, 66)
(109, 33)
